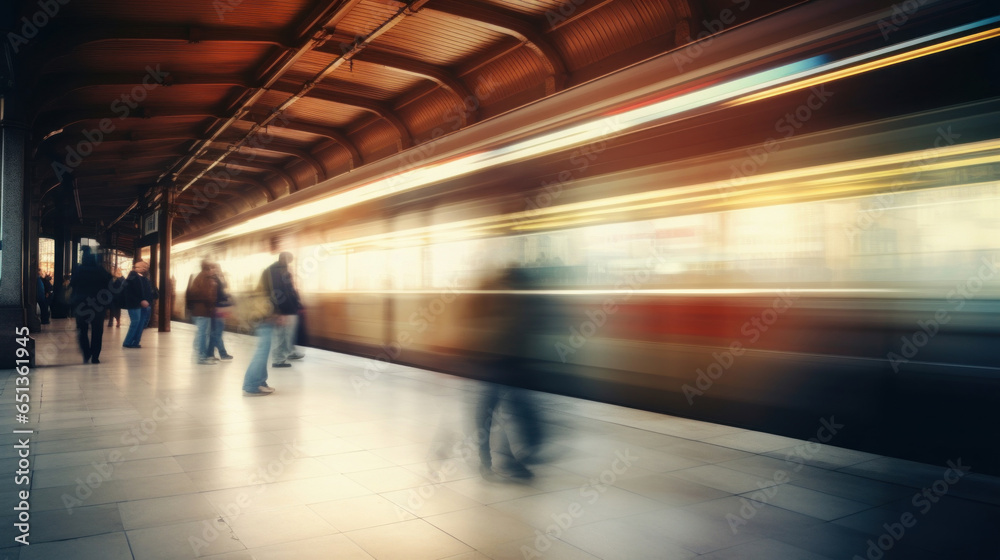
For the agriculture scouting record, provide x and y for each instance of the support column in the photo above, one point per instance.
(32, 222)
(154, 269)
(166, 285)
(13, 311)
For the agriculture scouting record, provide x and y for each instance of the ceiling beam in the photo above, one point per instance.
(324, 131)
(67, 36)
(54, 121)
(311, 34)
(363, 103)
(412, 67)
(510, 23)
(259, 166)
(57, 86)
(277, 148)
(437, 74)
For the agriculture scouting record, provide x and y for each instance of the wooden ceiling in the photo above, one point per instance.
(234, 103)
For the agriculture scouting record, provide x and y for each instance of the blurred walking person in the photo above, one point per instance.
(138, 298)
(115, 308)
(91, 293)
(261, 313)
(202, 296)
(508, 321)
(222, 304)
(43, 302)
(285, 298)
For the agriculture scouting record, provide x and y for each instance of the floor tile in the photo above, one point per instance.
(265, 528)
(619, 539)
(140, 514)
(808, 502)
(109, 546)
(192, 539)
(468, 526)
(361, 512)
(407, 540)
(322, 471)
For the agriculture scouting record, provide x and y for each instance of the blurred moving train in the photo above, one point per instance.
(789, 223)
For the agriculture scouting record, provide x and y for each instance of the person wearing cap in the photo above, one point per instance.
(138, 298)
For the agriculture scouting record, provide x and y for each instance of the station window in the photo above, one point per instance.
(86, 242)
(46, 256)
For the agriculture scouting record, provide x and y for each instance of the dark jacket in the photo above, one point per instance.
(137, 288)
(91, 289)
(203, 294)
(284, 297)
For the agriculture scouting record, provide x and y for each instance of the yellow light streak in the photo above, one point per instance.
(866, 67)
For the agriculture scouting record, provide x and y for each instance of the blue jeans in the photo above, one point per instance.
(201, 337)
(284, 345)
(215, 338)
(137, 322)
(256, 374)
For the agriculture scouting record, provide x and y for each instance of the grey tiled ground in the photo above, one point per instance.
(148, 455)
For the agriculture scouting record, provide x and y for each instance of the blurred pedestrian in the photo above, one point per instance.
(115, 307)
(47, 281)
(43, 302)
(90, 288)
(506, 318)
(223, 303)
(285, 298)
(63, 295)
(201, 297)
(138, 298)
(263, 316)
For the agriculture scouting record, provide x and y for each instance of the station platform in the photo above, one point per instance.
(149, 455)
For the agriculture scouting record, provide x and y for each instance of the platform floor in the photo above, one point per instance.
(149, 455)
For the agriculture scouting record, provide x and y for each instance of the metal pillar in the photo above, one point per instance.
(166, 302)
(154, 269)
